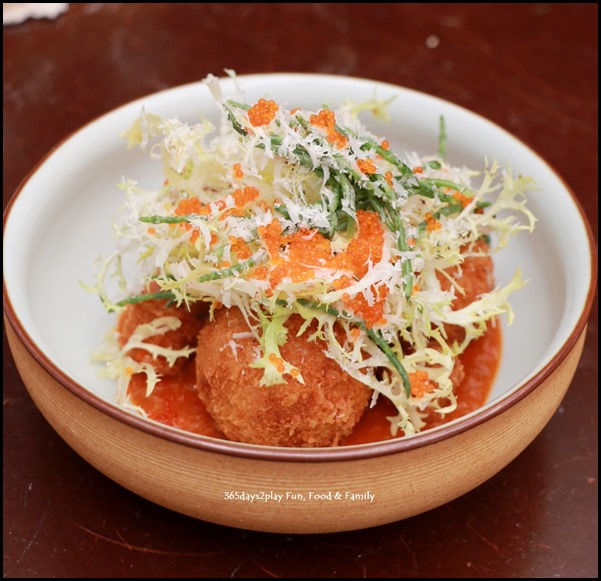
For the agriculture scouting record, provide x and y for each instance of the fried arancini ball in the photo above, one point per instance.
(318, 413)
(185, 336)
(474, 278)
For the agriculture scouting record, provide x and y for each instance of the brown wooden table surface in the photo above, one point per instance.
(531, 68)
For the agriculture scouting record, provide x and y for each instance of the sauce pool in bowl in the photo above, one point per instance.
(175, 402)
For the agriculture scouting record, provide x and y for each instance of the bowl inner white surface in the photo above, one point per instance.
(61, 221)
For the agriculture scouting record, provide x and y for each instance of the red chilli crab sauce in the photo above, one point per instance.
(175, 402)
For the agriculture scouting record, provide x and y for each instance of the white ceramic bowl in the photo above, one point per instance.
(59, 223)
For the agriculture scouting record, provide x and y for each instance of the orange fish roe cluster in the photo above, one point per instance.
(296, 256)
(271, 236)
(371, 314)
(421, 384)
(262, 112)
(238, 173)
(366, 166)
(418, 169)
(384, 144)
(326, 119)
(240, 248)
(337, 139)
(292, 256)
(241, 196)
(279, 364)
(261, 272)
(244, 196)
(388, 177)
(277, 361)
(462, 198)
(432, 224)
(365, 247)
(191, 206)
(219, 205)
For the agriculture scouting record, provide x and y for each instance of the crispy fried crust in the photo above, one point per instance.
(185, 336)
(318, 413)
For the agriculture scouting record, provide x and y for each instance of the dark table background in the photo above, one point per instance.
(531, 68)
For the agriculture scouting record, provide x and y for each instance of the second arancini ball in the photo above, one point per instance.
(185, 336)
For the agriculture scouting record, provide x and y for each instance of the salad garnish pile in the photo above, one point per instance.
(283, 211)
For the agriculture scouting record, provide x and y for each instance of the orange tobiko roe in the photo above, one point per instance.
(262, 113)
(326, 119)
(191, 206)
(307, 250)
(241, 197)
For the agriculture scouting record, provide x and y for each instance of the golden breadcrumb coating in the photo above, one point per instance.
(185, 336)
(318, 413)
